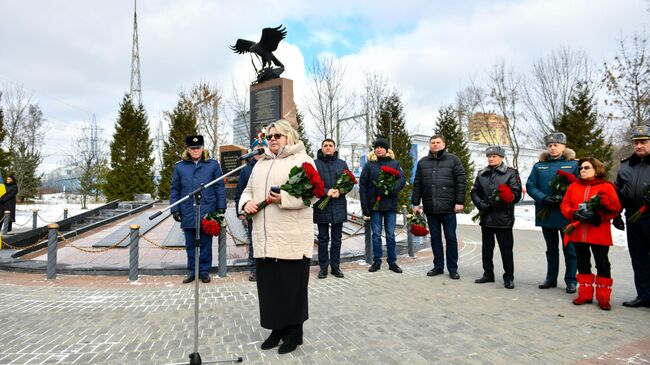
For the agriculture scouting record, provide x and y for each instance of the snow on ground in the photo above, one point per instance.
(50, 209)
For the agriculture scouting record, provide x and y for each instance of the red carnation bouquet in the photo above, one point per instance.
(644, 208)
(559, 185)
(598, 202)
(211, 223)
(503, 194)
(418, 225)
(344, 184)
(385, 183)
(304, 182)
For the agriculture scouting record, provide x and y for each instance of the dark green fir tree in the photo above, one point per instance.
(182, 123)
(579, 122)
(300, 120)
(391, 125)
(131, 155)
(448, 126)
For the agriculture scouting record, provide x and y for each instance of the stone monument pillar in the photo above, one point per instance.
(271, 100)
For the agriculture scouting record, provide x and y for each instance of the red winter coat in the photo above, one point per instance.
(580, 192)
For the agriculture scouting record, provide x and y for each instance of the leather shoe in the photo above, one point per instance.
(454, 275)
(571, 288)
(484, 279)
(508, 284)
(337, 272)
(252, 277)
(205, 278)
(434, 272)
(637, 303)
(375, 266)
(394, 268)
(188, 279)
(549, 284)
(322, 274)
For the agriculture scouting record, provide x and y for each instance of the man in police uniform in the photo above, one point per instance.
(632, 183)
(194, 169)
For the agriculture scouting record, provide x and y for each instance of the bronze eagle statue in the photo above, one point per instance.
(268, 43)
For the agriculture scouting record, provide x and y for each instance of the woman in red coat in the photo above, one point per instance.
(592, 230)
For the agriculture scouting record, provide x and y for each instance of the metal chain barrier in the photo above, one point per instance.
(91, 250)
(161, 246)
(54, 221)
(24, 247)
(23, 224)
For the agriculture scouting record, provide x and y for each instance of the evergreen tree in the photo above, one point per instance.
(448, 126)
(27, 179)
(392, 126)
(182, 123)
(579, 122)
(4, 156)
(131, 154)
(303, 133)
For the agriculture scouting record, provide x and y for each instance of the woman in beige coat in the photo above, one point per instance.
(283, 239)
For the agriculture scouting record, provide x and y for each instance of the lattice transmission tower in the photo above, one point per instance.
(136, 88)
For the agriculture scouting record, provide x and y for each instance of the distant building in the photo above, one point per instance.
(240, 130)
(489, 128)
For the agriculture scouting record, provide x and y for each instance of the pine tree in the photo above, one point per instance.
(131, 154)
(579, 122)
(392, 126)
(303, 133)
(182, 123)
(448, 126)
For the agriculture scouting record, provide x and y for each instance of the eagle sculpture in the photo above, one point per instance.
(271, 37)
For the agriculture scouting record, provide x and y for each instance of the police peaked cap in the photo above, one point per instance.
(194, 141)
(641, 132)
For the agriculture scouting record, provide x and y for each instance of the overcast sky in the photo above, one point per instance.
(74, 57)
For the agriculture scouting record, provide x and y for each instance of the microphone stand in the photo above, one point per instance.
(195, 358)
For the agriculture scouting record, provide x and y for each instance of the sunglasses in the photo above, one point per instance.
(276, 136)
(584, 168)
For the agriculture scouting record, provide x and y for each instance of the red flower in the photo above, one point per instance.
(391, 171)
(418, 225)
(505, 194)
(419, 230)
(567, 175)
(344, 184)
(211, 223)
(314, 179)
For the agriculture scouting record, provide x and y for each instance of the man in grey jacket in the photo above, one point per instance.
(440, 183)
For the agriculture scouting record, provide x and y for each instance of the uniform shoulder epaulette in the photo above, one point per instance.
(177, 162)
(625, 159)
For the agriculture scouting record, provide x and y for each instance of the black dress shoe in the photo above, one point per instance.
(434, 272)
(252, 277)
(637, 303)
(291, 340)
(394, 268)
(549, 284)
(375, 266)
(205, 278)
(274, 339)
(454, 275)
(571, 288)
(188, 279)
(508, 284)
(322, 274)
(484, 279)
(337, 272)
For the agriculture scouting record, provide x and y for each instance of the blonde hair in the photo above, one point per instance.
(283, 126)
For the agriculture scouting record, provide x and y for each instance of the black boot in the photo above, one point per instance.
(274, 339)
(293, 339)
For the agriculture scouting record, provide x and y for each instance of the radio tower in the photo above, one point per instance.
(136, 89)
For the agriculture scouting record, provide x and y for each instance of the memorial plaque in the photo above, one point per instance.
(265, 107)
(229, 160)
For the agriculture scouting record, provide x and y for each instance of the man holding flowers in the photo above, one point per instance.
(633, 187)
(334, 212)
(547, 184)
(380, 181)
(496, 190)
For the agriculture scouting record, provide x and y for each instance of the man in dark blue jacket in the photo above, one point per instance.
(557, 157)
(440, 183)
(632, 184)
(194, 169)
(242, 181)
(386, 214)
(331, 218)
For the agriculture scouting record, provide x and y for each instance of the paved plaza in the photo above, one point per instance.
(364, 318)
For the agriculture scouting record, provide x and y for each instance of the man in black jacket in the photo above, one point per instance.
(331, 218)
(440, 183)
(497, 217)
(386, 214)
(632, 184)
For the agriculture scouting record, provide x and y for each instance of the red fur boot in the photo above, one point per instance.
(585, 289)
(603, 292)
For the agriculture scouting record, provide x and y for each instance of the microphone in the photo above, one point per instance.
(256, 152)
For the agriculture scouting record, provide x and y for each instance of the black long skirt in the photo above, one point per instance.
(282, 292)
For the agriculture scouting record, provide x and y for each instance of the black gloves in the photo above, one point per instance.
(366, 212)
(588, 216)
(177, 216)
(550, 201)
(618, 223)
